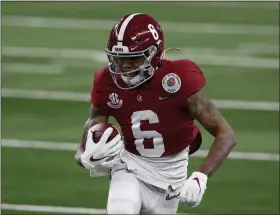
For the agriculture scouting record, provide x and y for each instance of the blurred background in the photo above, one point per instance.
(50, 51)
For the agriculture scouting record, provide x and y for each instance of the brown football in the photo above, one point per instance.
(99, 130)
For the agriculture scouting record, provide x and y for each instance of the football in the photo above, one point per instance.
(99, 130)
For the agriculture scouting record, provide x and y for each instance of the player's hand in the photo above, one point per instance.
(101, 152)
(104, 168)
(192, 191)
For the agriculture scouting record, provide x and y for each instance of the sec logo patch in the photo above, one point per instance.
(171, 83)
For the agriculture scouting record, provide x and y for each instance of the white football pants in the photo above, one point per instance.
(128, 195)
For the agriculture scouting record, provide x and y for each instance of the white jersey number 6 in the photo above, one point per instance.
(139, 135)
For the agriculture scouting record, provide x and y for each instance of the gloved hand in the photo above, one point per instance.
(192, 191)
(101, 152)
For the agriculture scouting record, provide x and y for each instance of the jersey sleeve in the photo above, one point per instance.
(193, 78)
(97, 92)
(94, 95)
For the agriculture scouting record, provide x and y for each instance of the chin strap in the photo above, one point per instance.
(166, 50)
(163, 55)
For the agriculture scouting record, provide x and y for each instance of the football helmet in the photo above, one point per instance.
(135, 49)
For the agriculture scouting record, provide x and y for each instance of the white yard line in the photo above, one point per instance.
(177, 27)
(47, 95)
(52, 209)
(85, 97)
(27, 68)
(55, 209)
(207, 56)
(73, 146)
(237, 4)
(241, 61)
(18, 51)
(261, 48)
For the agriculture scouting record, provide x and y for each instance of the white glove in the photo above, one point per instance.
(104, 168)
(101, 152)
(192, 191)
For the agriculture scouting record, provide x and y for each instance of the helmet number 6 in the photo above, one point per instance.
(153, 31)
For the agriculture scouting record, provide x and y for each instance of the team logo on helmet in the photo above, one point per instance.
(171, 83)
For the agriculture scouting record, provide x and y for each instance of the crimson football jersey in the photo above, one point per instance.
(153, 119)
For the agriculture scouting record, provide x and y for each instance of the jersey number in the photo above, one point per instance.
(153, 31)
(139, 135)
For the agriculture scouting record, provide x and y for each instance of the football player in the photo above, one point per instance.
(155, 101)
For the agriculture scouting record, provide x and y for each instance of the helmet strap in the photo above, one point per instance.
(163, 56)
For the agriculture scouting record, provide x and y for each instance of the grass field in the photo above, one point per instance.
(56, 47)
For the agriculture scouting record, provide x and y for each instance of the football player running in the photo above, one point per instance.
(155, 101)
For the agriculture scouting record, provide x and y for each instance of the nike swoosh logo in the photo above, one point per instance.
(198, 182)
(93, 160)
(163, 98)
(172, 197)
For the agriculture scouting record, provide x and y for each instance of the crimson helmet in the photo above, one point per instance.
(135, 36)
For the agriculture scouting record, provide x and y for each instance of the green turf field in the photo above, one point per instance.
(45, 47)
